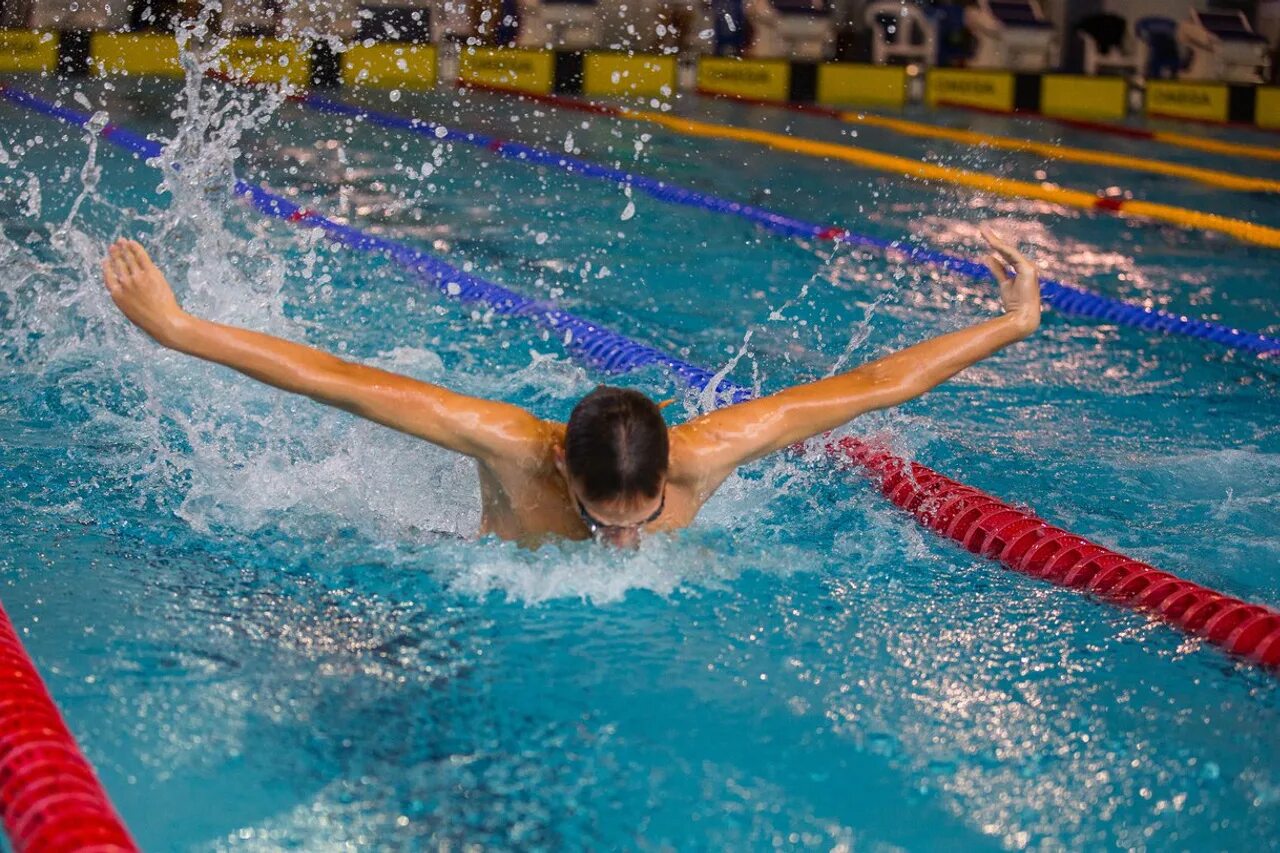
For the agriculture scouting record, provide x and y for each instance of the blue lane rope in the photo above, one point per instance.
(1069, 299)
(600, 347)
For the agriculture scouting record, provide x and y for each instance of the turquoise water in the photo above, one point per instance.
(261, 621)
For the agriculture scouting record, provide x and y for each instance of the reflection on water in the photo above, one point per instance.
(271, 626)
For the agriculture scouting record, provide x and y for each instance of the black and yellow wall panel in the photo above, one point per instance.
(629, 74)
(604, 73)
(991, 90)
(1267, 108)
(1078, 96)
(28, 51)
(264, 60)
(524, 70)
(760, 79)
(390, 66)
(863, 85)
(134, 53)
(1201, 101)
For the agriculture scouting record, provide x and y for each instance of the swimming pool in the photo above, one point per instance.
(260, 624)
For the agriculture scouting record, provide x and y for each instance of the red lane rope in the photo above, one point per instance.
(1101, 127)
(1026, 543)
(811, 109)
(1210, 122)
(50, 799)
(562, 101)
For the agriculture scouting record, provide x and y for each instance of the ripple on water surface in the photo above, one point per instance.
(268, 627)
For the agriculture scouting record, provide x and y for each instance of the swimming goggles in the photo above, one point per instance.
(597, 527)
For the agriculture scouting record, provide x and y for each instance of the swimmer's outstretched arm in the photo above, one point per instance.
(720, 441)
(484, 429)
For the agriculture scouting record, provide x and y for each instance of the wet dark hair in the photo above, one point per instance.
(616, 444)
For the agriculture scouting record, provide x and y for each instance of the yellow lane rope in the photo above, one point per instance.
(1184, 140)
(1213, 177)
(1217, 146)
(1250, 232)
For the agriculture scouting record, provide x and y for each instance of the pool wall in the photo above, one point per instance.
(1087, 101)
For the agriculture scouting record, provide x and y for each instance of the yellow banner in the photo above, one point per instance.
(765, 79)
(624, 74)
(1077, 96)
(525, 70)
(263, 60)
(390, 66)
(851, 83)
(1267, 110)
(1206, 101)
(992, 90)
(28, 50)
(133, 53)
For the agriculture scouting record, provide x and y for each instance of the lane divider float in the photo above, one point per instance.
(1249, 232)
(1069, 299)
(1048, 150)
(978, 522)
(50, 799)
(1169, 137)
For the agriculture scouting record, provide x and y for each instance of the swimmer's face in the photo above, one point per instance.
(619, 521)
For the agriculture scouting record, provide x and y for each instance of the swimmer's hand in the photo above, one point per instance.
(1021, 294)
(141, 291)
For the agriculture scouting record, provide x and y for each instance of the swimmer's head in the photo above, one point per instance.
(615, 460)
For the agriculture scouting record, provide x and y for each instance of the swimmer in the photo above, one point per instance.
(614, 471)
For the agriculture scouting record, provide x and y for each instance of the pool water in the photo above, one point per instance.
(269, 623)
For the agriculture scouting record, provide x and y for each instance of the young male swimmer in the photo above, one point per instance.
(614, 471)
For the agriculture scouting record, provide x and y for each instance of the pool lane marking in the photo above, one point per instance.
(1247, 231)
(979, 522)
(1169, 137)
(1250, 232)
(50, 796)
(1069, 299)
(1211, 177)
(597, 346)
(1049, 150)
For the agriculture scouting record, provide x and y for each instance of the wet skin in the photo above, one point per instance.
(527, 493)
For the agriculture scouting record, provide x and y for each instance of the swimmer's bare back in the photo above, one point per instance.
(525, 492)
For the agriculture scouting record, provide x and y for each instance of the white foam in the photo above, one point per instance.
(224, 453)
